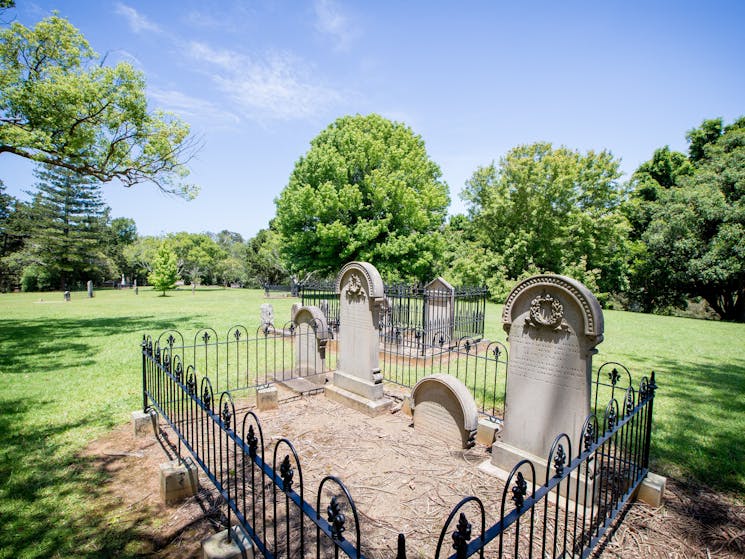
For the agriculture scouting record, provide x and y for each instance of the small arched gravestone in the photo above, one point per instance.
(311, 335)
(445, 409)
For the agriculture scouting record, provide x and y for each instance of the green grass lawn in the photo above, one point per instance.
(69, 372)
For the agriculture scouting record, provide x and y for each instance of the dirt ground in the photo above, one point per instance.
(401, 481)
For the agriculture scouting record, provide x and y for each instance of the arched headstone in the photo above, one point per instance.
(358, 381)
(445, 409)
(553, 324)
(311, 335)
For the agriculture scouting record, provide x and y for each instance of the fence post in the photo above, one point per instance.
(648, 438)
(144, 374)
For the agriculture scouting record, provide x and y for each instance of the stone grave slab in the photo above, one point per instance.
(358, 381)
(445, 409)
(554, 324)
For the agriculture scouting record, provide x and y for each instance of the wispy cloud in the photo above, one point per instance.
(193, 108)
(137, 21)
(332, 21)
(277, 86)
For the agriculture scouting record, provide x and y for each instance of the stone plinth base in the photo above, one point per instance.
(178, 480)
(487, 431)
(218, 546)
(651, 490)
(357, 402)
(266, 398)
(144, 423)
(365, 388)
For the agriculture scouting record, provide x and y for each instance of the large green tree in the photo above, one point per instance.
(366, 190)
(694, 242)
(550, 209)
(60, 105)
(66, 242)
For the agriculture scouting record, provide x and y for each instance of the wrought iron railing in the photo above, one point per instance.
(437, 312)
(583, 491)
(408, 357)
(580, 497)
(244, 359)
(266, 498)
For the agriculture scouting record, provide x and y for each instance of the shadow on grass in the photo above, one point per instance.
(56, 502)
(699, 420)
(47, 494)
(28, 346)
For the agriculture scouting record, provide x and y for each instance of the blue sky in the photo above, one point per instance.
(258, 80)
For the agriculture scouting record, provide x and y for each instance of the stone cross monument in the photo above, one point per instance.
(358, 381)
(553, 324)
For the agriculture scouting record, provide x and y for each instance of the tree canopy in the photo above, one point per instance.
(366, 190)
(694, 241)
(165, 270)
(61, 106)
(548, 209)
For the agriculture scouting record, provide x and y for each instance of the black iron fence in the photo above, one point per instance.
(244, 359)
(288, 290)
(583, 488)
(267, 498)
(581, 494)
(438, 313)
(408, 356)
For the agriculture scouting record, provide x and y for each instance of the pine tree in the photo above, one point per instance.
(67, 240)
(165, 269)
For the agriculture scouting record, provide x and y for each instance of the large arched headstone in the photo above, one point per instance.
(554, 324)
(358, 381)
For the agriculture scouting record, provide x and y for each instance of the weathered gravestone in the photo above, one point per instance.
(438, 312)
(90, 288)
(267, 315)
(445, 409)
(358, 381)
(310, 337)
(553, 325)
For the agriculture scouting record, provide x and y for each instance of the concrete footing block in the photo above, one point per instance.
(652, 490)
(407, 406)
(218, 546)
(487, 431)
(178, 480)
(266, 398)
(144, 423)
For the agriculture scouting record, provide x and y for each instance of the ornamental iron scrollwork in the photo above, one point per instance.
(253, 442)
(461, 535)
(519, 491)
(336, 518)
(286, 472)
(226, 415)
(560, 460)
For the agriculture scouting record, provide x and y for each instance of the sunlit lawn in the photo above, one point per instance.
(69, 372)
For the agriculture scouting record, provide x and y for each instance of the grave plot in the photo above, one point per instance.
(567, 472)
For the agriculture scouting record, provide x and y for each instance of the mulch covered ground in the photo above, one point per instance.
(401, 481)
